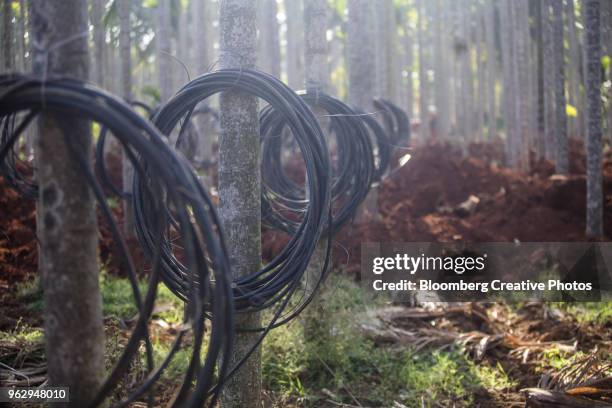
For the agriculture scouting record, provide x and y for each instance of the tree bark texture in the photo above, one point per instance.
(67, 230)
(592, 47)
(239, 187)
(561, 142)
(360, 55)
(295, 40)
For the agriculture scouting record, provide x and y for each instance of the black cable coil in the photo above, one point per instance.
(176, 199)
(283, 200)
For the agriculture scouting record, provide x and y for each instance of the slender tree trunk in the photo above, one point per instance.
(239, 187)
(561, 142)
(409, 66)
(381, 48)
(592, 47)
(126, 87)
(201, 37)
(7, 37)
(574, 66)
(508, 105)
(394, 75)
(480, 74)
(548, 80)
(99, 42)
(163, 38)
(74, 333)
(295, 37)
(269, 41)
(22, 36)
(491, 69)
(317, 80)
(423, 81)
(315, 45)
(360, 55)
(541, 111)
(442, 84)
(523, 110)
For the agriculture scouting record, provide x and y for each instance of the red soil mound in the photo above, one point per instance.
(419, 201)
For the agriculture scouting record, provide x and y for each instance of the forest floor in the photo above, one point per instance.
(368, 352)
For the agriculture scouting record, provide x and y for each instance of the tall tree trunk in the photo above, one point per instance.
(575, 60)
(201, 35)
(480, 73)
(522, 112)
(592, 47)
(295, 39)
(423, 80)
(381, 48)
(22, 36)
(548, 80)
(74, 333)
(360, 54)
(239, 187)
(269, 42)
(491, 69)
(315, 45)
(163, 38)
(125, 50)
(508, 79)
(317, 80)
(394, 74)
(408, 64)
(99, 42)
(7, 37)
(561, 142)
(442, 84)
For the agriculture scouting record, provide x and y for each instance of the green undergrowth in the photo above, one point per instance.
(336, 364)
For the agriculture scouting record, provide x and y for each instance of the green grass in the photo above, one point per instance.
(588, 312)
(337, 358)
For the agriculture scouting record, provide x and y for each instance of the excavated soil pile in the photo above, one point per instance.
(441, 195)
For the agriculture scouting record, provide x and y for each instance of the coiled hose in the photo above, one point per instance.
(161, 174)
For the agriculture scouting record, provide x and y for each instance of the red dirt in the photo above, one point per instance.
(416, 202)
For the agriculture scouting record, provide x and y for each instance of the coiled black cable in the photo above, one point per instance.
(276, 280)
(282, 198)
(163, 175)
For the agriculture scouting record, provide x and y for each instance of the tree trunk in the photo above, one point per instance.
(269, 42)
(22, 36)
(574, 67)
(74, 333)
(360, 55)
(520, 20)
(480, 73)
(561, 142)
(99, 42)
(163, 38)
(592, 47)
(408, 63)
(442, 84)
(295, 33)
(7, 37)
(491, 69)
(126, 90)
(423, 81)
(548, 81)
(381, 48)
(239, 187)
(315, 45)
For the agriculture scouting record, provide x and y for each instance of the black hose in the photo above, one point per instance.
(165, 180)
